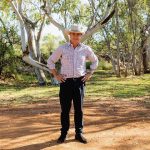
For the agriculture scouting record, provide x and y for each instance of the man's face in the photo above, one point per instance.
(75, 37)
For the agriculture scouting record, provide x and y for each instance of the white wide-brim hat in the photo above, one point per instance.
(75, 29)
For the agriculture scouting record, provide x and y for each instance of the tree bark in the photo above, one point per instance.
(117, 42)
(107, 39)
(145, 47)
(34, 52)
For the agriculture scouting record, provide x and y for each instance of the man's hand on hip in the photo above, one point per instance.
(60, 78)
(87, 77)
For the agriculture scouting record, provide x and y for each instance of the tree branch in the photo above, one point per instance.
(17, 12)
(22, 28)
(35, 63)
(47, 11)
(40, 30)
(108, 15)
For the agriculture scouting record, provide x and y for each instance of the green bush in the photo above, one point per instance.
(104, 65)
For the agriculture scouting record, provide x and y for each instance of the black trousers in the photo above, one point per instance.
(72, 89)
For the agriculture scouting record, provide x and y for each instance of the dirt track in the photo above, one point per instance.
(108, 125)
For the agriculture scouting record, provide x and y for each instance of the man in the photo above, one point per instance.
(72, 78)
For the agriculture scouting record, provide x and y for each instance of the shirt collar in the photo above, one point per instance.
(69, 44)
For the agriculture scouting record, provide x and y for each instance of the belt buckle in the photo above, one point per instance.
(74, 79)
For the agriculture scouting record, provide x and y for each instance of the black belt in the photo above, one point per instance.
(75, 78)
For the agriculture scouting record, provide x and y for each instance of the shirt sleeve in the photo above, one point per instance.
(54, 58)
(93, 58)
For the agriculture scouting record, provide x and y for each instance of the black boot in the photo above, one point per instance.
(80, 138)
(62, 138)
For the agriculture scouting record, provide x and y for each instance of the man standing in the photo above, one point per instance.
(72, 78)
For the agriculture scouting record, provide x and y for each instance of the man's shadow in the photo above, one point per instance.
(43, 145)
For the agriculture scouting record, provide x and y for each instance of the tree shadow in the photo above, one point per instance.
(113, 114)
(143, 144)
(43, 120)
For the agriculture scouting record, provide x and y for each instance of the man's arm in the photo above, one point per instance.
(92, 58)
(51, 64)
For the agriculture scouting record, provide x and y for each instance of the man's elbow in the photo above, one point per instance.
(50, 64)
(95, 64)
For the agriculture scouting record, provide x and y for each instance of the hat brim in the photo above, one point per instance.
(69, 31)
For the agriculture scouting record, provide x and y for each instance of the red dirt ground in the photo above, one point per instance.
(108, 125)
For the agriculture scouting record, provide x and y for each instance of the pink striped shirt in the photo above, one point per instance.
(73, 60)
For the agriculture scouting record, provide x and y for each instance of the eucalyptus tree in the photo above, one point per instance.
(138, 27)
(129, 30)
(8, 39)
